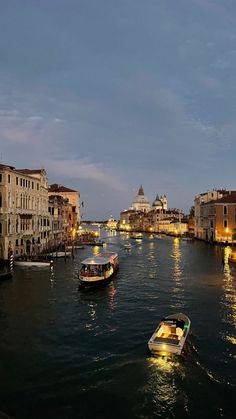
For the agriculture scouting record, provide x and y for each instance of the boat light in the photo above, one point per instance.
(163, 346)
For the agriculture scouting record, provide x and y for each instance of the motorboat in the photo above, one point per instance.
(33, 263)
(170, 335)
(5, 275)
(93, 243)
(99, 269)
(59, 254)
(136, 236)
(127, 246)
(76, 246)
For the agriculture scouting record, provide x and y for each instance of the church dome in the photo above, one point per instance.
(140, 198)
(140, 202)
(157, 202)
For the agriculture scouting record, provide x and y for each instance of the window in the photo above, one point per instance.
(20, 182)
(16, 180)
(17, 242)
(0, 200)
(0, 177)
(37, 187)
(9, 178)
(0, 228)
(32, 185)
(225, 223)
(225, 210)
(24, 182)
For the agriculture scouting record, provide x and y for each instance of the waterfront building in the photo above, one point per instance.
(24, 220)
(73, 199)
(205, 213)
(218, 219)
(125, 219)
(111, 223)
(60, 218)
(156, 218)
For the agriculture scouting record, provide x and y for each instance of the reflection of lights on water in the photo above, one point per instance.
(96, 250)
(161, 382)
(229, 298)
(177, 258)
(166, 363)
(112, 293)
(52, 275)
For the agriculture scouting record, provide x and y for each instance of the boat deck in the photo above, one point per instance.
(171, 339)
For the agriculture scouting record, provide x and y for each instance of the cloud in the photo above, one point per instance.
(79, 169)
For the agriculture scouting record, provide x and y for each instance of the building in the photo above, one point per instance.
(140, 202)
(111, 223)
(205, 211)
(24, 219)
(218, 219)
(73, 199)
(60, 218)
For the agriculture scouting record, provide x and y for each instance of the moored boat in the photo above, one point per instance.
(33, 263)
(170, 335)
(128, 246)
(98, 270)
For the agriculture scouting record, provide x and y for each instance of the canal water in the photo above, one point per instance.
(70, 353)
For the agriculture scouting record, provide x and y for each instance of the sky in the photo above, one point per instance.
(106, 95)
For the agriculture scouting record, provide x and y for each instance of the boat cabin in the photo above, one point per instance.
(170, 330)
(95, 266)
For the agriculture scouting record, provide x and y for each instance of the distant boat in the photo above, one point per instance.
(98, 270)
(170, 335)
(128, 246)
(76, 246)
(59, 254)
(93, 243)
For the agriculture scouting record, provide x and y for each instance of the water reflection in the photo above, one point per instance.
(177, 292)
(111, 296)
(176, 254)
(163, 384)
(229, 297)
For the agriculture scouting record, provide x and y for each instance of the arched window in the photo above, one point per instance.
(0, 200)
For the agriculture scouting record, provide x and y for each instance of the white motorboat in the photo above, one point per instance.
(98, 269)
(128, 246)
(33, 263)
(59, 254)
(170, 335)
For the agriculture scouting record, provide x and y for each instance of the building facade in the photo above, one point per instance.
(73, 199)
(24, 220)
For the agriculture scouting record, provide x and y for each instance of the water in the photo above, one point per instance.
(67, 353)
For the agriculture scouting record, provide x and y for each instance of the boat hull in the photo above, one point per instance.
(171, 344)
(32, 264)
(95, 282)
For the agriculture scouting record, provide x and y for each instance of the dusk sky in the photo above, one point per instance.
(110, 94)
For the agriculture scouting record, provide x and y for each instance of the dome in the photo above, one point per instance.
(157, 202)
(140, 198)
(140, 202)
